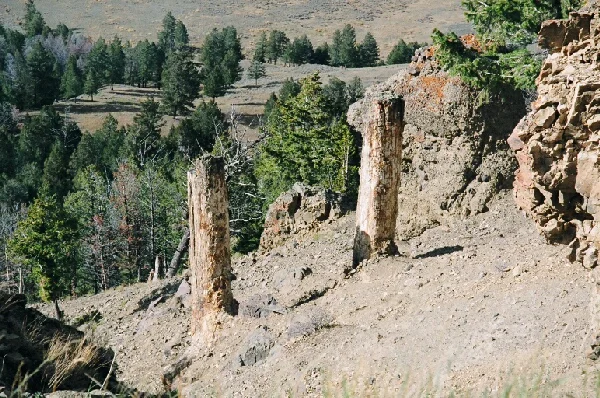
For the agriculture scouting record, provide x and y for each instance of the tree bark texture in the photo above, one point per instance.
(210, 253)
(381, 158)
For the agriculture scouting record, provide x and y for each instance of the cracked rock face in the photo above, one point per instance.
(557, 144)
(454, 152)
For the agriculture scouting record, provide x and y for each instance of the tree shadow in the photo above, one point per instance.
(98, 107)
(440, 251)
(139, 94)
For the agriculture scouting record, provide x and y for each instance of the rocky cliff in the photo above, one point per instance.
(455, 156)
(557, 143)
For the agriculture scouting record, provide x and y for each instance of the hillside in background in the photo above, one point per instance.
(139, 19)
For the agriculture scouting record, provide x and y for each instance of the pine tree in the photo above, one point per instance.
(98, 61)
(116, 66)
(221, 56)
(71, 84)
(305, 143)
(402, 53)
(166, 38)
(46, 240)
(260, 52)
(92, 84)
(180, 83)
(34, 22)
(368, 51)
(256, 71)
(182, 38)
(44, 81)
(143, 140)
(197, 134)
(19, 82)
(343, 51)
(276, 45)
(300, 51)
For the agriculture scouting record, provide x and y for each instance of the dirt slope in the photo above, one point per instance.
(140, 19)
(475, 305)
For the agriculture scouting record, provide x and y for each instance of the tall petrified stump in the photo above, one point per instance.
(381, 159)
(210, 253)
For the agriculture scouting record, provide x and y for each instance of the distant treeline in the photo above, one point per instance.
(343, 51)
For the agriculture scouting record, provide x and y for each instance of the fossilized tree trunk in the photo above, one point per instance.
(210, 255)
(381, 159)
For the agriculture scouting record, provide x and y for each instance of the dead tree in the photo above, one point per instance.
(176, 259)
(381, 157)
(210, 253)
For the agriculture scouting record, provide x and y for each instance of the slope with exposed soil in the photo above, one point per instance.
(475, 304)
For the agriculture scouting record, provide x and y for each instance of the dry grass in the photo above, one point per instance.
(140, 19)
(69, 357)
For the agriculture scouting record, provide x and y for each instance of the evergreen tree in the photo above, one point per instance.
(256, 71)
(92, 84)
(300, 51)
(19, 82)
(180, 83)
(182, 38)
(306, 143)
(369, 51)
(63, 31)
(44, 81)
(116, 66)
(260, 52)
(221, 56)
(143, 141)
(98, 61)
(276, 45)
(321, 55)
(402, 53)
(343, 51)
(355, 90)
(166, 38)
(34, 22)
(102, 149)
(100, 241)
(336, 97)
(196, 134)
(46, 240)
(71, 84)
(147, 57)
(56, 180)
(8, 137)
(214, 82)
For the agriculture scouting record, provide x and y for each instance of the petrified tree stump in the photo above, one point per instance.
(209, 250)
(381, 158)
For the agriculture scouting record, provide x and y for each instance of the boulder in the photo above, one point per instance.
(300, 210)
(256, 347)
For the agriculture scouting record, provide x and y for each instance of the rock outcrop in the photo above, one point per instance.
(454, 155)
(557, 144)
(41, 354)
(300, 210)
